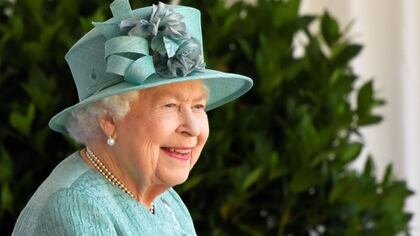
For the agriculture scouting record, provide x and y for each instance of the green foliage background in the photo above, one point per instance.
(277, 161)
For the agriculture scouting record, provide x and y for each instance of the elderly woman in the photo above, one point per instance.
(144, 93)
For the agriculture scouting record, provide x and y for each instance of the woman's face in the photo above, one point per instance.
(162, 136)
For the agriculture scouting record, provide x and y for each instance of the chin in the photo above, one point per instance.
(173, 179)
(180, 180)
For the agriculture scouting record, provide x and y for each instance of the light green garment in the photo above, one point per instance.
(76, 200)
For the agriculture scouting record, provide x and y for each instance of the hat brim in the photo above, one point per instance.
(223, 87)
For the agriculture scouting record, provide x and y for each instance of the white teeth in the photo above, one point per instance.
(179, 151)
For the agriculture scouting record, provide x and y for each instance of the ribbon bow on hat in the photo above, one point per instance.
(137, 48)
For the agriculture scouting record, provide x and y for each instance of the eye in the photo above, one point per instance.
(199, 107)
(170, 105)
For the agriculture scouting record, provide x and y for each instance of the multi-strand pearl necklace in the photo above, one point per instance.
(97, 163)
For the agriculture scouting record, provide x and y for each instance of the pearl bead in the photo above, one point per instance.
(110, 141)
(96, 162)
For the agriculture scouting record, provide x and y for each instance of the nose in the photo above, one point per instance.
(189, 123)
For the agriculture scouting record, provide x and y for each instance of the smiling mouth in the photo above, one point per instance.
(178, 153)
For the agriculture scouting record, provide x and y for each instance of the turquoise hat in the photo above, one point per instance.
(143, 48)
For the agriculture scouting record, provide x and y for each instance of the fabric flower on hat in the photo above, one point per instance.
(187, 58)
(175, 52)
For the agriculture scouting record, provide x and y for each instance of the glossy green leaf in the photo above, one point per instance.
(303, 179)
(345, 53)
(40, 89)
(23, 122)
(330, 29)
(251, 179)
(349, 152)
(6, 197)
(6, 166)
(365, 101)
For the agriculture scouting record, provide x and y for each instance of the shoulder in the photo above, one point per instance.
(67, 202)
(74, 212)
(72, 197)
(87, 194)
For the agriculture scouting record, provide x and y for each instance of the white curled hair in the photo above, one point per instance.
(83, 122)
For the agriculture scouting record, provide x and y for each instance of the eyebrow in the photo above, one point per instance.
(178, 96)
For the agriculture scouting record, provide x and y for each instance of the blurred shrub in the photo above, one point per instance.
(277, 161)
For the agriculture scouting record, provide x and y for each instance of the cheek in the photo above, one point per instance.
(163, 128)
(202, 138)
(205, 130)
(155, 127)
(143, 136)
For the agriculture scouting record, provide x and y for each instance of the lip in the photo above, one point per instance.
(176, 155)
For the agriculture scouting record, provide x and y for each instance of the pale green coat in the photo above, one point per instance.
(76, 200)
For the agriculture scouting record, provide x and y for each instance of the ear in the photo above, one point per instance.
(107, 125)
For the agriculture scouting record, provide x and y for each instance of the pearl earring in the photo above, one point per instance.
(110, 141)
